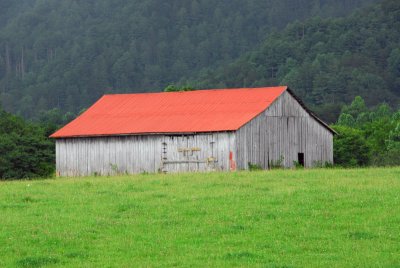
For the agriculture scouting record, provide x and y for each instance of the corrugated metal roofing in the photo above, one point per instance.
(171, 112)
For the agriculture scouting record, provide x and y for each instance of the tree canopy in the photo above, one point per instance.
(327, 62)
(65, 54)
(367, 136)
(25, 150)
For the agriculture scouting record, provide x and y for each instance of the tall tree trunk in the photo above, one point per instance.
(22, 63)
(8, 60)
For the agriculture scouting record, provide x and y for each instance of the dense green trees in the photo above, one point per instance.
(326, 61)
(367, 136)
(64, 54)
(25, 150)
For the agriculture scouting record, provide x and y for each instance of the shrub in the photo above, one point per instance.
(25, 151)
(350, 147)
(297, 165)
(254, 167)
(277, 163)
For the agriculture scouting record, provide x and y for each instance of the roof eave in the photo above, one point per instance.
(319, 120)
(140, 134)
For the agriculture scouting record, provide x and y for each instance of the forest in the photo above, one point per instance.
(57, 57)
(65, 54)
(26, 152)
(327, 62)
(367, 136)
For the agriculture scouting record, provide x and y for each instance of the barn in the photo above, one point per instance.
(204, 130)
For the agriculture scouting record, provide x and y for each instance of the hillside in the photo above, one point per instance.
(65, 54)
(309, 218)
(12, 8)
(326, 61)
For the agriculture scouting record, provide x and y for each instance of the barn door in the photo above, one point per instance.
(188, 153)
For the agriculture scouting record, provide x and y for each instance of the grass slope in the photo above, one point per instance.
(326, 218)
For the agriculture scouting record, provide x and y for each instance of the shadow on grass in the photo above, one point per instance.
(29, 199)
(361, 235)
(33, 262)
(240, 255)
(77, 254)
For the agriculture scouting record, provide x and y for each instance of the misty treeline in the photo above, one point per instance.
(65, 54)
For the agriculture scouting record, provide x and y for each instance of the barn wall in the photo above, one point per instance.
(283, 130)
(145, 153)
(201, 152)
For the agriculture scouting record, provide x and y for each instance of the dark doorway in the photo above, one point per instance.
(300, 159)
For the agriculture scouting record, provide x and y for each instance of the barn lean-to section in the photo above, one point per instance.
(280, 133)
(219, 130)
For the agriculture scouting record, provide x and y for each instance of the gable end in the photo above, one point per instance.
(311, 113)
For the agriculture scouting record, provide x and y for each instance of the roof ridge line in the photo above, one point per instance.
(194, 90)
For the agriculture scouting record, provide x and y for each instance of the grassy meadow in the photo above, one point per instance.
(292, 218)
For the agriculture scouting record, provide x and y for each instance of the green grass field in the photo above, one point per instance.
(303, 218)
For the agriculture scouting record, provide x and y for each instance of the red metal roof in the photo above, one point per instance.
(171, 112)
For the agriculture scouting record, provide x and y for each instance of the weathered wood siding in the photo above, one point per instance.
(282, 131)
(199, 152)
(143, 153)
